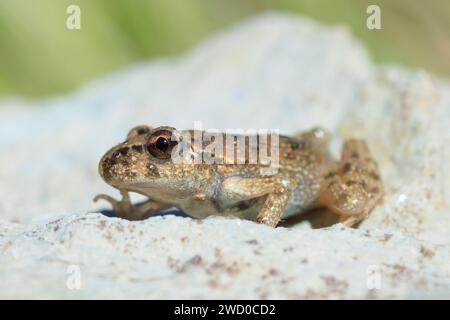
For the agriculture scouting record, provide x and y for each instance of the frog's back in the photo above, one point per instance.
(300, 160)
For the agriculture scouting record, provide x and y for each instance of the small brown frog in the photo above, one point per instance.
(306, 177)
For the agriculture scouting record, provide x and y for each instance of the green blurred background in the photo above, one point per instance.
(39, 56)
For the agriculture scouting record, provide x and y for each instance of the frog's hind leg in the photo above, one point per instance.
(353, 187)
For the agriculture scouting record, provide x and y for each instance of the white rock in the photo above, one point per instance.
(274, 71)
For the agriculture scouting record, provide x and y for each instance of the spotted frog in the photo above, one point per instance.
(307, 177)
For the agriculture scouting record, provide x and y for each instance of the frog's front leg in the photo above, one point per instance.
(125, 209)
(276, 190)
(274, 206)
(353, 188)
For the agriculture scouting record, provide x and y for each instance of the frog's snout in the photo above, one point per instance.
(104, 167)
(111, 165)
(101, 169)
(126, 164)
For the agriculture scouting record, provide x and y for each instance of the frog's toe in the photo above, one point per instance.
(106, 198)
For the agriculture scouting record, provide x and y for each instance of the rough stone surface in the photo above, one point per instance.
(273, 71)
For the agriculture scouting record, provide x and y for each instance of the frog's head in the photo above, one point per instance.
(145, 163)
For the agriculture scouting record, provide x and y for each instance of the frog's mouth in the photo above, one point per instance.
(156, 191)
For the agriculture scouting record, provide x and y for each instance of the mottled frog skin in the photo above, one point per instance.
(307, 178)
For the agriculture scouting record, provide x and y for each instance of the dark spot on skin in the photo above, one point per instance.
(330, 175)
(289, 154)
(353, 182)
(374, 176)
(106, 172)
(124, 151)
(138, 148)
(347, 167)
(301, 144)
(252, 241)
(143, 130)
(342, 198)
(126, 161)
(333, 182)
(354, 155)
(132, 174)
(292, 146)
(153, 170)
(109, 162)
(375, 190)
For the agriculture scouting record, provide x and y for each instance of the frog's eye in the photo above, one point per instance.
(160, 144)
(138, 131)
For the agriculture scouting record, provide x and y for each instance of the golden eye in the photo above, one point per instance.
(160, 144)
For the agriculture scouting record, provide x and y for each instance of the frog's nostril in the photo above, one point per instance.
(121, 152)
(115, 155)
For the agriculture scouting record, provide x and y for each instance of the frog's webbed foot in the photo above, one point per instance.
(125, 209)
(354, 187)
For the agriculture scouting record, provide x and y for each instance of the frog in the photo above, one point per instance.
(307, 177)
